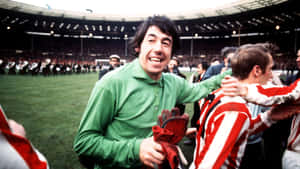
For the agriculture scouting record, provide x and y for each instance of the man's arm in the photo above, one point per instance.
(270, 95)
(91, 141)
(191, 92)
(261, 122)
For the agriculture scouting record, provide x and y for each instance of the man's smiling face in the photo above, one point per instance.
(155, 52)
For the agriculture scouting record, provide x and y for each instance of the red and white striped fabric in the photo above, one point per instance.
(16, 151)
(270, 95)
(223, 143)
(294, 137)
(223, 132)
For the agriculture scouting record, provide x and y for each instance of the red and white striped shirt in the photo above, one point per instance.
(294, 137)
(270, 95)
(225, 124)
(16, 151)
(226, 129)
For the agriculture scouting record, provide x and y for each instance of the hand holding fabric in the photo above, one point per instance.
(151, 152)
(170, 130)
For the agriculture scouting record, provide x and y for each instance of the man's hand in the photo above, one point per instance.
(191, 132)
(151, 152)
(16, 128)
(284, 111)
(232, 87)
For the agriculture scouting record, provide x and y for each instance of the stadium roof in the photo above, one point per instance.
(243, 17)
(135, 10)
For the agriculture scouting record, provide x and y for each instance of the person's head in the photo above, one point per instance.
(154, 43)
(252, 63)
(114, 60)
(227, 53)
(298, 59)
(214, 61)
(202, 67)
(172, 64)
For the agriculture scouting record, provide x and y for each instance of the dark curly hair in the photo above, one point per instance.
(163, 23)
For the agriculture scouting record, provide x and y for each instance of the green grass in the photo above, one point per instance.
(50, 109)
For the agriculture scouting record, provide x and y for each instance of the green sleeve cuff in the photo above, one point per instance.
(136, 150)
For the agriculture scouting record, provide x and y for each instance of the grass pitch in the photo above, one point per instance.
(50, 109)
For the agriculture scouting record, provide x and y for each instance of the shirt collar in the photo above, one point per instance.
(139, 73)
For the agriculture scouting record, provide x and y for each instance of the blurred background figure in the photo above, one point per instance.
(201, 69)
(11, 67)
(2, 66)
(46, 67)
(172, 67)
(226, 54)
(114, 62)
(292, 77)
(196, 77)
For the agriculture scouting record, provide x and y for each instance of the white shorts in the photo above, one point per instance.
(291, 160)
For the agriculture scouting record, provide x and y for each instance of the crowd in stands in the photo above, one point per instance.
(45, 66)
(72, 50)
(284, 62)
(66, 64)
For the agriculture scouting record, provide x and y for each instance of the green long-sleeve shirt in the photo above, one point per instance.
(124, 106)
